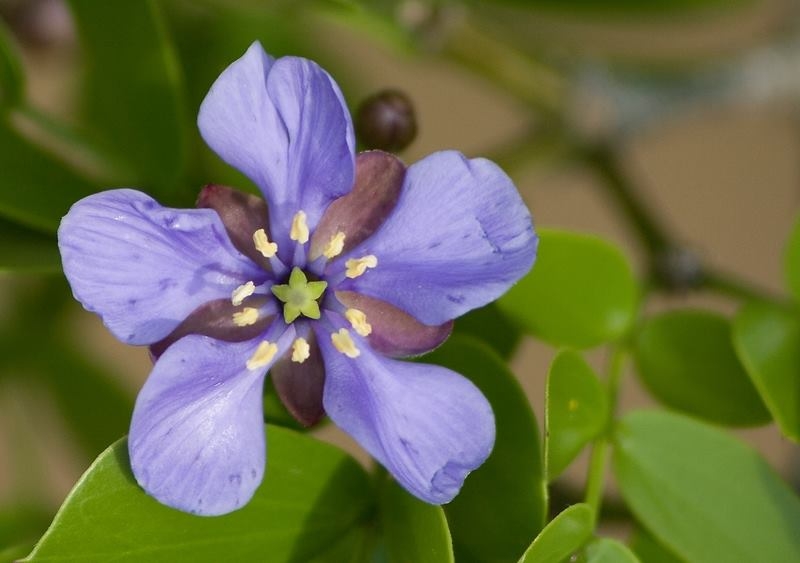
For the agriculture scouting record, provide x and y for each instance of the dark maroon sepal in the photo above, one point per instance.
(379, 179)
(242, 214)
(300, 386)
(395, 333)
(215, 319)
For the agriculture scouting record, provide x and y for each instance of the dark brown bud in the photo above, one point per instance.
(678, 269)
(386, 121)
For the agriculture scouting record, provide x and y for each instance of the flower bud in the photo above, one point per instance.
(386, 121)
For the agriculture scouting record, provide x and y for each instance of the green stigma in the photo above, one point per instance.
(299, 296)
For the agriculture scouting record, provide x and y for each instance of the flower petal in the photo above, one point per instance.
(216, 319)
(242, 214)
(300, 385)
(285, 125)
(459, 237)
(143, 267)
(427, 425)
(395, 333)
(197, 435)
(379, 177)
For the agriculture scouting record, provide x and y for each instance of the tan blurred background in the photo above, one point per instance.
(725, 177)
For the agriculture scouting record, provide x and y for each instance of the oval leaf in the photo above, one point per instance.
(565, 534)
(606, 550)
(767, 340)
(503, 503)
(702, 493)
(792, 261)
(686, 360)
(649, 550)
(415, 532)
(576, 410)
(311, 496)
(580, 293)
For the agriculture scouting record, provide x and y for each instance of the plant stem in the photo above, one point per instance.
(596, 476)
(606, 164)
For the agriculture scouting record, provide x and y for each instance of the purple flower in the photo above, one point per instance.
(352, 261)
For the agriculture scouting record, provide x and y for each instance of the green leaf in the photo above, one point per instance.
(493, 327)
(686, 359)
(581, 292)
(503, 503)
(37, 189)
(606, 550)
(767, 340)
(27, 251)
(576, 410)
(312, 495)
(792, 261)
(702, 493)
(12, 80)
(133, 91)
(565, 534)
(647, 549)
(414, 532)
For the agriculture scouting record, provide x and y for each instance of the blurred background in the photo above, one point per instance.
(668, 127)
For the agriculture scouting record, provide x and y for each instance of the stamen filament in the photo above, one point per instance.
(246, 317)
(263, 355)
(242, 292)
(357, 266)
(344, 343)
(359, 321)
(263, 245)
(300, 350)
(299, 230)
(335, 246)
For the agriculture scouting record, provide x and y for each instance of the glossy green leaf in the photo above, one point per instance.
(12, 80)
(312, 495)
(791, 261)
(606, 550)
(767, 340)
(647, 549)
(133, 95)
(26, 250)
(493, 327)
(686, 359)
(581, 292)
(702, 493)
(576, 410)
(414, 532)
(562, 536)
(503, 503)
(37, 189)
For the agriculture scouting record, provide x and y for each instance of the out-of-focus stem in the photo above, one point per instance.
(527, 79)
(596, 477)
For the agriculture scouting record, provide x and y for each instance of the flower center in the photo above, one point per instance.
(300, 296)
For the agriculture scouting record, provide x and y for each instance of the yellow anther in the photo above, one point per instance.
(300, 350)
(263, 245)
(359, 321)
(242, 292)
(263, 355)
(335, 245)
(246, 317)
(357, 266)
(299, 231)
(342, 342)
